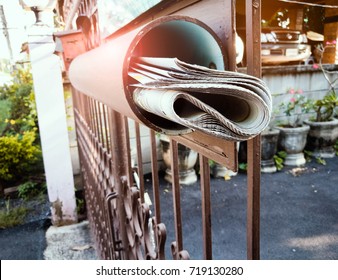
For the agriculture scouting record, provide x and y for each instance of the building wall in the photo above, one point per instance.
(306, 78)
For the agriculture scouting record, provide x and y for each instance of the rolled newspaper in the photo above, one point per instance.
(224, 104)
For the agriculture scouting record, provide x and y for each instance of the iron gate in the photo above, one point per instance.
(121, 221)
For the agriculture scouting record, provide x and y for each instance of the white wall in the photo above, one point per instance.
(305, 77)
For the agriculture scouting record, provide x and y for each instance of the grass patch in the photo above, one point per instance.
(10, 217)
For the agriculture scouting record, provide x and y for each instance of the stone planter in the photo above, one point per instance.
(322, 138)
(293, 141)
(269, 143)
(187, 159)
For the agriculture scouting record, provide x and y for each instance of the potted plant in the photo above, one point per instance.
(269, 144)
(187, 159)
(323, 127)
(293, 133)
(323, 132)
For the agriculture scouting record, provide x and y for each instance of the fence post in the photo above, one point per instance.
(50, 105)
(253, 49)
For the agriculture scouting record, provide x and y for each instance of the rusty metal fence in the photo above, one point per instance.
(121, 221)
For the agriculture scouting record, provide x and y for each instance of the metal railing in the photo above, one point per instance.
(122, 223)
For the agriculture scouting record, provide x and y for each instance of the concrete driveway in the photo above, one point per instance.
(299, 219)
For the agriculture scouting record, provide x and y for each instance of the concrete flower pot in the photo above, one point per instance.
(322, 137)
(269, 143)
(187, 159)
(292, 140)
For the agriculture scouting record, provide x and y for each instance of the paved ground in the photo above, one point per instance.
(38, 240)
(299, 220)
(25, 242)
(299, 215)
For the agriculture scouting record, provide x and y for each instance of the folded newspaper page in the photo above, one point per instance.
(224, 104)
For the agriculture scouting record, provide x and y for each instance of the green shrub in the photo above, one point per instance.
(31, 189)
(325, 107)
(243, 166)
(4, 114)
(279, 160)
(18, 155)
(20, 152)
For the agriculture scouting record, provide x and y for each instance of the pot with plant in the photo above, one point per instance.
(293, 133)
(269, 147)
(323, 132)
(269, 142)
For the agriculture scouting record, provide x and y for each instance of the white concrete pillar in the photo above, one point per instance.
(51, 111)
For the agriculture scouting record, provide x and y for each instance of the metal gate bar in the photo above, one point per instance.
(177, 246)
(206, 206)
(155, 179)
(253, 21)
(160, 231)
(139, 161)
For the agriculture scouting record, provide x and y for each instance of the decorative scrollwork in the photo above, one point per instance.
(133, 234)
(179, 255)
(146, 239)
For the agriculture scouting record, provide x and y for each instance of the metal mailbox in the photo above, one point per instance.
(105, 69)
(102, 73)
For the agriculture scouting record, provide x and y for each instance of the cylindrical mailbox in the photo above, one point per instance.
(102, 73)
